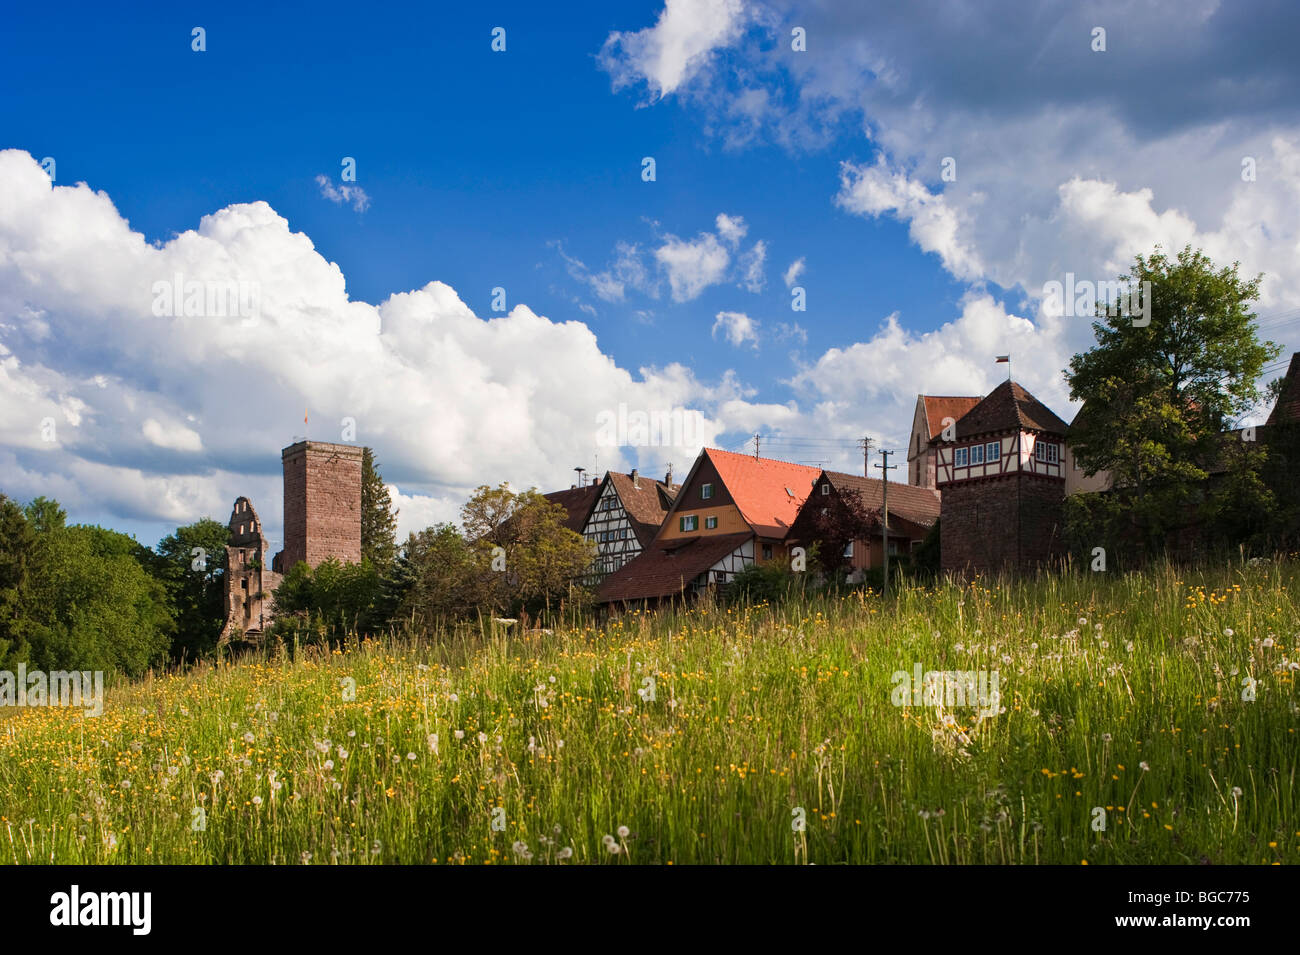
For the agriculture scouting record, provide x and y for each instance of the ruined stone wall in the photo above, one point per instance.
(249, 582)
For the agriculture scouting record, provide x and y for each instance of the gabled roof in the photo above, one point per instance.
(666, 569)
(1009, 407)
(938, 407)
(768, 493)
(1288, 402)
(577, 503)
(920, 505)
(646, 502)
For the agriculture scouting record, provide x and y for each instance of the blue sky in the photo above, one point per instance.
(522, 170)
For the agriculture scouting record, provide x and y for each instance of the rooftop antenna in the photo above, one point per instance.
(581, 471)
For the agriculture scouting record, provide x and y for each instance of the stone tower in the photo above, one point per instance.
(322, 504)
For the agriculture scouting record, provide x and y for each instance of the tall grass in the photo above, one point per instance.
(711, 735)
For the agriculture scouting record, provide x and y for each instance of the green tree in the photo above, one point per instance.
(197, 592)
(328, 603)
(451, 579)
(1159, 396)
(542, 557)
(378, 519)
(79, 597)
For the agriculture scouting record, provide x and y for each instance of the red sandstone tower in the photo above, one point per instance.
(322, 504)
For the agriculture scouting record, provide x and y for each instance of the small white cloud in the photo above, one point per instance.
(344, 194)
(731, 228)
(751, 265)
(737, 327)
(795, 270)
(693, 266)
(791, 332)
(174, 438)
(676, 48)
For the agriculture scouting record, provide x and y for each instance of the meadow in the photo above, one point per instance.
(1144, 718)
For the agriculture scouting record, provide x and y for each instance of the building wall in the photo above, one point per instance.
(1076, 482)
(322, 504)
(728, 515)
(609, 520)
(1013, 522)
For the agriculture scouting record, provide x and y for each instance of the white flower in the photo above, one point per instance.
(248, 737)
(352, 733)
(126, 784)
(1144, 766)
(623, 832)
(257, 800)
(454, 698)
(482, 737)
(217, 777)
(1083, 621)
(1236, 791)
(1268, 642)
(1228, 632)
(411, 757)
(564, 853)
(343, 753)
(329, 765)
(433, 743)
(1105, 737)
(613, 848)
(607, 839)
(459, 734)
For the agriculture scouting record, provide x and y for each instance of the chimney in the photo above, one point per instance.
(668, 478)
(635, 484)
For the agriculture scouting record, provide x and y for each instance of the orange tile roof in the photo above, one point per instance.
(938, 407)
(768, 493)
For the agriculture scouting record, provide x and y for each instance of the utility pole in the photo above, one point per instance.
(756, 447)
(884, 493)
(865, 445)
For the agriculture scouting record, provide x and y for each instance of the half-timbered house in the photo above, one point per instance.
(732, 511)
(626, 516)
(1002, 484)
(933, 413)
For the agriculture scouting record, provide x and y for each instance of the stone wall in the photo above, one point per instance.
(1013, 522)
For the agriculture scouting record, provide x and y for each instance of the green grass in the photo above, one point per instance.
(756, 714)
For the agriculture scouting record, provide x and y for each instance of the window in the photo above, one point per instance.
(691, 523)
(767, 551)
(959, 458)
(848, 549)
(993, 451)
(893, 548)
(710, 522)
(1047, 452)
(706, 491)
(826, 489)
(977, 454)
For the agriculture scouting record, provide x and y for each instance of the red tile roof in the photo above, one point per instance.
(938, 407)
(667, 568)
(577, 503)
(1009, 407)
(1288, 402)
(768, 493)
(920, 505)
